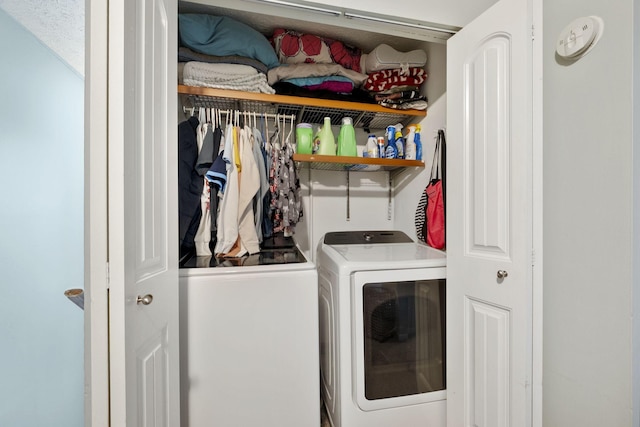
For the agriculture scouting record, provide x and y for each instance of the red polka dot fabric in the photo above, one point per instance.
(293, 47)
(389, 79)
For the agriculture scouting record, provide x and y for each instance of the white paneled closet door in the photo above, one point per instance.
(142, 176)
(489, 219)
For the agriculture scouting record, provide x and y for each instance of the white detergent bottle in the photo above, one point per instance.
(409, 143)
(371, 150)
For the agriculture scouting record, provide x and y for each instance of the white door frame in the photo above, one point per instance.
(96, 268)
(96, 308)
(537, 214)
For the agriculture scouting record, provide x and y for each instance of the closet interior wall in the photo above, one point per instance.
(324, 192)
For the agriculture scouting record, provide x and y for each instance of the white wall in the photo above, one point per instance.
(41, 229)
(588, 229)
(410, 185)
(636, 219)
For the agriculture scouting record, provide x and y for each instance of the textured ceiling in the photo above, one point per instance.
(59, 24)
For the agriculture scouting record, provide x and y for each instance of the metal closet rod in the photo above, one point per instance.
(311, 7)
(400, 22)
(339, 12)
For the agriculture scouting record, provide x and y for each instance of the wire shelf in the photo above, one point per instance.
(306, 110)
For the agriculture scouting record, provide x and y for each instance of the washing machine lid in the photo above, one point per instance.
(381, 251)
(366, 237)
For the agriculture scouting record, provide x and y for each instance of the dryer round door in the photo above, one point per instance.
(399, 337)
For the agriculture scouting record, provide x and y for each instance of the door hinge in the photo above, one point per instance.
(533, 32)
(107, 273)
(533, 257)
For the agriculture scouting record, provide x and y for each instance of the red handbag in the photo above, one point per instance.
(435, 191)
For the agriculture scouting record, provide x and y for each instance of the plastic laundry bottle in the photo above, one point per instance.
(304, 138)
(381, 147)
(399, 145)
(371, 150)
(316, 141)
(327, 145)
(391, 151)
(409, 143)
(416, 140)
(347, 138)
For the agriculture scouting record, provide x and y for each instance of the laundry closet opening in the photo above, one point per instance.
(271, 278)
(331, 193)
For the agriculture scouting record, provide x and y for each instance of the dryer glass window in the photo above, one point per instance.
(404, 338)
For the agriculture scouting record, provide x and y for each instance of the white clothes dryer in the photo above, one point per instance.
(382, 330)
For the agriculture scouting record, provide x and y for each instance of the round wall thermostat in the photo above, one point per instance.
(579, 37)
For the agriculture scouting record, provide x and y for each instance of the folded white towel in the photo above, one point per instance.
(225, 76)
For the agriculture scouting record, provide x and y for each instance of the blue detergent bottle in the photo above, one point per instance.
(399, 141)
(391, 151)
(416, 140)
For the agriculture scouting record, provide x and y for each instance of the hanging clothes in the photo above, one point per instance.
(286, 202)
(214, 198)
(206, 143)
(258, 150)
(290, 188)
(249, 178)
(270, 199)
(228, 211)
(242, 185)
(204, 136)
(189, 185)
(237, 234)
(274, 216)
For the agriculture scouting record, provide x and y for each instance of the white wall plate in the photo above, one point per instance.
(579, 37)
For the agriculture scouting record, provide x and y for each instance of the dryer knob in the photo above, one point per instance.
(367, 237)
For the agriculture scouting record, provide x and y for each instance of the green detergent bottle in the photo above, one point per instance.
(347, 138)
(327, 145)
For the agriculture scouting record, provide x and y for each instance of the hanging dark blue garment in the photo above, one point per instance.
(208, 152)
(217, 174)
(217, 178)
(189, 185)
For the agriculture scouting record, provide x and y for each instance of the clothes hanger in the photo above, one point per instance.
(236, 141)
(281, 131)
(288, 140)
(273, 139)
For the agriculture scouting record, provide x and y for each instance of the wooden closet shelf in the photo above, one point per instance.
(307, 110)
(357, 164)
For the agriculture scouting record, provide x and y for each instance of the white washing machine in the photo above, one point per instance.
(382, 330)
(249, 341)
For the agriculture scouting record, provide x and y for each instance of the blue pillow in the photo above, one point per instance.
(222, 36)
